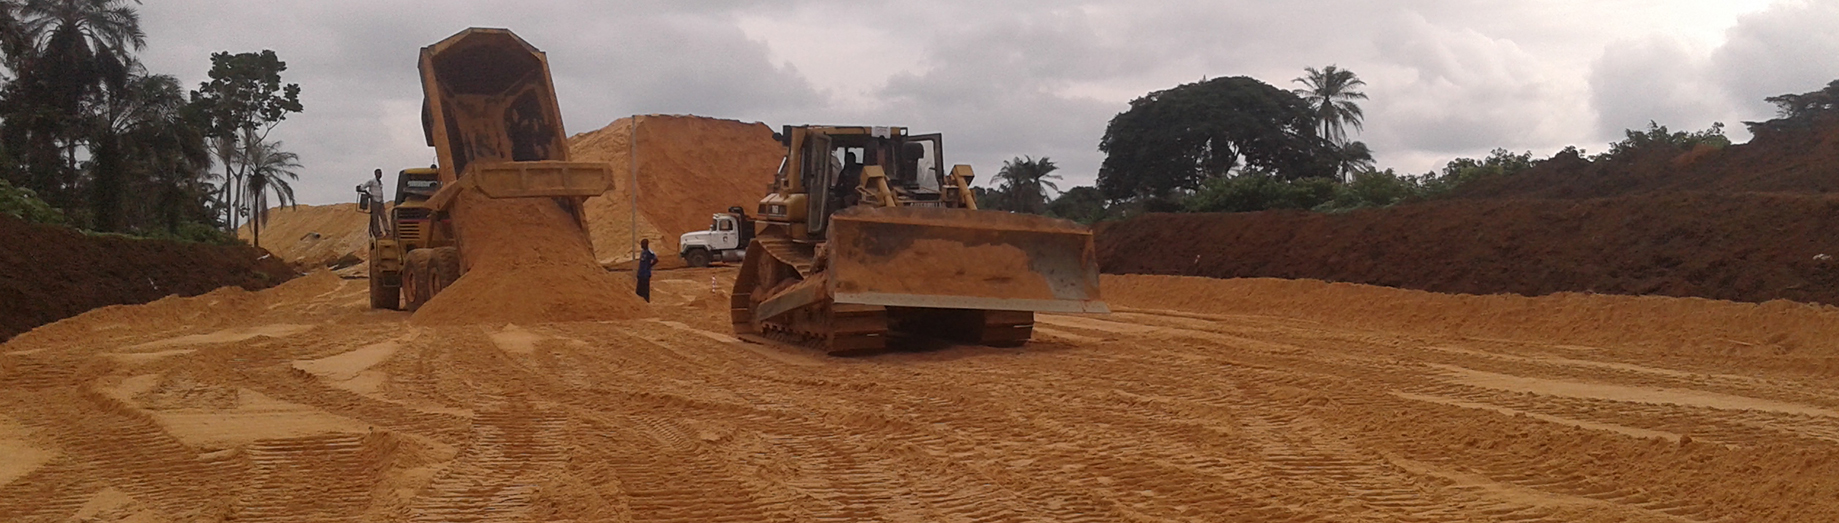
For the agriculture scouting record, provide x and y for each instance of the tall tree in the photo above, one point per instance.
(1173, 140)
(270, 169)
(64, 54)
(165, 152)
(243, 98)
(1026, 182)
(1331, 94)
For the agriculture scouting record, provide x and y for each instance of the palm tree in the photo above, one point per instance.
(167, 149)
(269, 171)
(78, 48)
(1025, 180)
(1330, 93)
(1353, 157)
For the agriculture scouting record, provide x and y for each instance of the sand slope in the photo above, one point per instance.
(689, 168)
(308, 236)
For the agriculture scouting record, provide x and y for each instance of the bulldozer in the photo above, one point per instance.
(865, 237)
(489, 111)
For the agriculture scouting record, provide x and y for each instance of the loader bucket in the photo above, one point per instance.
(961, 259)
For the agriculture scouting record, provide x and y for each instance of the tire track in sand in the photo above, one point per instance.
(515, 446)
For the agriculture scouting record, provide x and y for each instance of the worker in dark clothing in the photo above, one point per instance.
(646, 260)
(847, 180)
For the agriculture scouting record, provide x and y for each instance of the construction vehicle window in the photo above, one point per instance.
(725, 225)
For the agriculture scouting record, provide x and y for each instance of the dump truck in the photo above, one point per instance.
(867, 237)
(489, 111)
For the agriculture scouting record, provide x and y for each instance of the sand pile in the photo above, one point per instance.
(689, 167)
(526, 263)
(1653, 321)
(310, 236)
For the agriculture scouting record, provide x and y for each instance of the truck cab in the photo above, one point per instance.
(725, 241)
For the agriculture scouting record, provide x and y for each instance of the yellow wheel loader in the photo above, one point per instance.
(489, 110)
(866, 237)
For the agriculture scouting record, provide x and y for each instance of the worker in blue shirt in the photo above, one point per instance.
(646, 260)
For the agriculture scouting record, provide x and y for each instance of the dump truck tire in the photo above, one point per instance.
(696, 258)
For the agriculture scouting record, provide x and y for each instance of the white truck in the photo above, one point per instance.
(725, 241)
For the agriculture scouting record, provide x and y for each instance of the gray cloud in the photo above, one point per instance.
(1791, 48)
(1037, 77)
(1658, 79)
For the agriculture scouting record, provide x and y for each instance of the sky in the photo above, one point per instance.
(1038, 78)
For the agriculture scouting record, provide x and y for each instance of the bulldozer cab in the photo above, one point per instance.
(841, 167)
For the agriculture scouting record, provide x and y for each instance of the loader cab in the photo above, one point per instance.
(414, 225)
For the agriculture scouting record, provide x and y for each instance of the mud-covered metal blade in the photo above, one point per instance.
(962, 259)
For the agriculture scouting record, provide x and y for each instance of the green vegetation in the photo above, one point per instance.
(1800, 110)
(1239, 145)
(1172, 141)
(24, 204)
(87, 133)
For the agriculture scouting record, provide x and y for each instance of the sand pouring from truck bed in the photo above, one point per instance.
(526, 262)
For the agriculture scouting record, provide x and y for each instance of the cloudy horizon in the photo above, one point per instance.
(1446, 79)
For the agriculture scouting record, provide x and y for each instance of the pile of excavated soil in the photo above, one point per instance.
(526, 262)
(1802, 161)
(1747, 223)
(1743, 247)
(689, 167)
(48, 273)
(311, 236)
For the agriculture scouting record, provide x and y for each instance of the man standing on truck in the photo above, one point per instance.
(646, 260)
(373, 202)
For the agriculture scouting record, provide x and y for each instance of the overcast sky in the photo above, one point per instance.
(1447, 78)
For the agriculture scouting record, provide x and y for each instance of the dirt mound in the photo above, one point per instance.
(689, 167)
(1804, 160)
(310, 236)
(48, 273)
(525, 263)
(1744, 247)
(1749, 222)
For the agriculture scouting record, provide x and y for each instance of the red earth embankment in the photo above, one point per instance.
(1752, 223)
(48, 273)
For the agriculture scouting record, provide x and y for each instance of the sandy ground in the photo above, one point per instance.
(298, 404)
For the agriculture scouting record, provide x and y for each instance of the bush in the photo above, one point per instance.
(1256, 191)
(1461, 171)
(24, 204)
(1657, 137)
(1373, 189)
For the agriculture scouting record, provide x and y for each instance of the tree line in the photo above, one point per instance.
(90, 138)
(1237, 144)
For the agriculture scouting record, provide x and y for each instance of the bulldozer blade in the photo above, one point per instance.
(961, 259)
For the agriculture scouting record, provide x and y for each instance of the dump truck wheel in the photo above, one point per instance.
(415, 281)
(697, 258)
(443, 269)
(384, 296)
